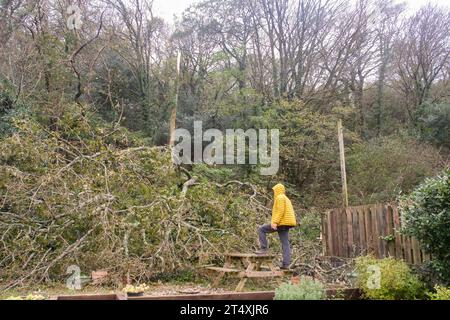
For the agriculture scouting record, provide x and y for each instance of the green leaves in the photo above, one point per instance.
(387, 279)
(306, 289)
(434, 123)
(441, 293)
(382, 168)
(426, 216)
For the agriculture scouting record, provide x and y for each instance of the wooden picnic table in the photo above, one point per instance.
(245, 266)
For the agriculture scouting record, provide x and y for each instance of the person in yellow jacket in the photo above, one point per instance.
(283, 219)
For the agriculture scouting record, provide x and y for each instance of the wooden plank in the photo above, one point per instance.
(338, 233)
(92, 297)
(347, 294)
(330, 234)
(344, 235)
(375, 242)
(249, 255)
(261, 274)
(241, 296)
(390, 230)
(324, 234)
(368, 229)
(243, 277)
(417, 259)
(362, 231)
(349, 226)
(355, 225)
(407, 248)
(342, 162)
(382, 232)
(227, 265)
(225, 270)
(399, 254)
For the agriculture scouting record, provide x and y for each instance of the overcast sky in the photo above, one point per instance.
(168, 8)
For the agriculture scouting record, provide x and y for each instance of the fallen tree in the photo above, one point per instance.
(81, 195)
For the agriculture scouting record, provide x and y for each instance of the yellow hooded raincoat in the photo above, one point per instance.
(283, 212)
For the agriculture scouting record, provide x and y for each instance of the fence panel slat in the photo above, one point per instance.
(324, 234)
(369, 229)
(338, 234)
(416, 251)
(375, 232)
(355, 226)
(390, 230)
(344, 233)
(383, 231)
(362, 231)
(330, 241)
(350, 237)
(407, 248)
(398, 237)
(368, 225)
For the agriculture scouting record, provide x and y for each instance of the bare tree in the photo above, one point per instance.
(422, 53)
(387, 27)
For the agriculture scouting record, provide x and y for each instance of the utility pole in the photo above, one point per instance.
(343, 169)
(173, 115)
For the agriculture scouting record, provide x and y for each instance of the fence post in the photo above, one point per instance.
(343, 169)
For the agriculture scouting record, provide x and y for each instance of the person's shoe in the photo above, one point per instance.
(262, 252)
(284, 268)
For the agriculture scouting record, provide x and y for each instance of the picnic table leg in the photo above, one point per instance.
(245, 262)
(221, 275)
(241, 284)
(218, 279)
(273, 269)
(244, 278)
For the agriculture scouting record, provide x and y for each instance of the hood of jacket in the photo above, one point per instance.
(279, 189)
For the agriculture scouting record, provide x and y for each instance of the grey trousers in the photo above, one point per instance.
(283, 233)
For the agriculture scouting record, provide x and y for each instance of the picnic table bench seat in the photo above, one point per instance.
(247, 265)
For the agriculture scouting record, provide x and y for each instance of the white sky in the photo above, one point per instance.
(168, 8)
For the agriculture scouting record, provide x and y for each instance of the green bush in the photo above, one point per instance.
(382, 168)
(10, 109)
(435, 123)
(441, 293)
(306, 289)
(310, 224)
(426, 216)
(396, 281)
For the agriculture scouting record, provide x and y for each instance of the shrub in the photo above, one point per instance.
(435, 123)
(427, 274)
(441, 293)
(306, 289)
(310, 224)
(396, 281)
(10, 109)
(426, 216)
(374, 177)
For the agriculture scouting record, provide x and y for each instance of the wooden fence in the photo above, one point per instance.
(361, 230)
